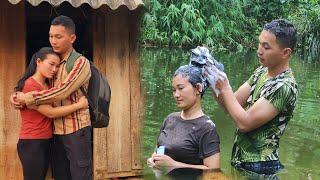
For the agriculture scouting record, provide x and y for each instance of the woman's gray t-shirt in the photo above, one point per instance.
(189, 141)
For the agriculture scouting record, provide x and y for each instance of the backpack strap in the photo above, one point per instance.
(84, 92)
(71, 59)
(69, 65)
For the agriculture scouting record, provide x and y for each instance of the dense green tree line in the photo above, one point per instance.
(226, 24)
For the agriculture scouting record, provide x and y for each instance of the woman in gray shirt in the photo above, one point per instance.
(189, 137)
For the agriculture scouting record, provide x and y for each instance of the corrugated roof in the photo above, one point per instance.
(113, 4)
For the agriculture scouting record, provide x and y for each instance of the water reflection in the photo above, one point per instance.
(300, 144)
(249, 175)
(189, 174)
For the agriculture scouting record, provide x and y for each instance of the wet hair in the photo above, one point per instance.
(66, 22)
(41, 54)
(284, 31)
(194, 75)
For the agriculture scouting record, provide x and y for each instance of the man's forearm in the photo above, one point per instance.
(236, 111)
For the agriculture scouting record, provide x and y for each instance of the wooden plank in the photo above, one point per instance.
(137, 98)
(12, 65)
(117, 149)
(99, 135)
(117, 70)
(122, 175)
(113, 54)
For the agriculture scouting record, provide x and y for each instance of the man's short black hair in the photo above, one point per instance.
(284, 31)
(66, 22)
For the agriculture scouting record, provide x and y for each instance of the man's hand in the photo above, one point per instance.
(217, 79)
(14, 101)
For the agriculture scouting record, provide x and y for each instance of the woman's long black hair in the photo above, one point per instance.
(41, 54)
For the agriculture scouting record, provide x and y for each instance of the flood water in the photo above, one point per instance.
(300, 144)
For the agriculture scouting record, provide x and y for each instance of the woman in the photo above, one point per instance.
(36, 127)
(189, 137)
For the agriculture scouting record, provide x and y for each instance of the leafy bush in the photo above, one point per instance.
(226, 24)
(307, 20)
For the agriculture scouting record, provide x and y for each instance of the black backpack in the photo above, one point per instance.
(98, 95)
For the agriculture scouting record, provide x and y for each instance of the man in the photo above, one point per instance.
(72, 149)
(262, 106)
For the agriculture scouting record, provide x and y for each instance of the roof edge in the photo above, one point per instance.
(94, 4)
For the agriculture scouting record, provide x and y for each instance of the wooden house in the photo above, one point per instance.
(107, 33)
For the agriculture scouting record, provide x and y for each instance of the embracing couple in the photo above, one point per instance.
(55, 117)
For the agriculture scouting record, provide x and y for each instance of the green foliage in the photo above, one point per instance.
(185, 23)
(226, 24)
(307, 20)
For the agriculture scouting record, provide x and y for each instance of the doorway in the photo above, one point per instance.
(38, 20)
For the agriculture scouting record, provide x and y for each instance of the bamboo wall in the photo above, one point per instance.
(115, 32)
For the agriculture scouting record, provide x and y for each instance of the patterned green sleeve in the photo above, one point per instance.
(281, 97)
(257, 73)
(250, 80)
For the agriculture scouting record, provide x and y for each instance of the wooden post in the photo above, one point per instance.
(137, 98)
(12, 65)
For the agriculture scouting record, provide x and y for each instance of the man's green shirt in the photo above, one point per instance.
(262, 144)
